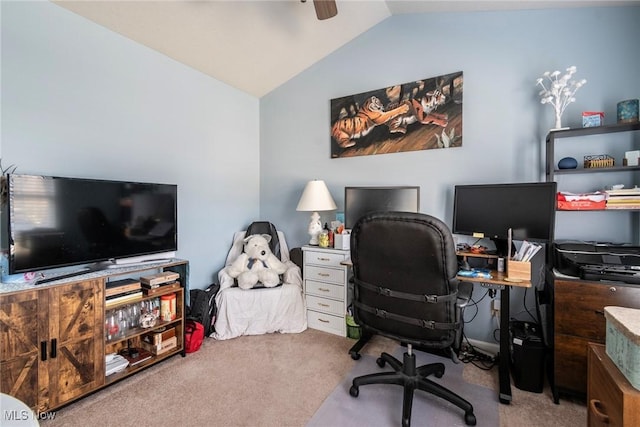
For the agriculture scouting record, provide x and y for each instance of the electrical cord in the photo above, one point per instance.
(475, 357)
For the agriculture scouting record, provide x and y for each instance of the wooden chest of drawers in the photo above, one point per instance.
(578, 320)
(611, 400)
(325, 288)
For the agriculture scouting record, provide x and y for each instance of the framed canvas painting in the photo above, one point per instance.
(421, 115)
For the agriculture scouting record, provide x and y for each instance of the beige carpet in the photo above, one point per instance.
(269, 380)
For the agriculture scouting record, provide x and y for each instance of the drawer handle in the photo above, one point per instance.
(323, 289)
(597, 409)
(323, 274)
(323, 321)
(323, 305)
(613, 289)
(324, 259)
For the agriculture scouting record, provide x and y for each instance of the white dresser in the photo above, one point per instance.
(325, 288)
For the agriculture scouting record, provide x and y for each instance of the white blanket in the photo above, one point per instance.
(260, 311)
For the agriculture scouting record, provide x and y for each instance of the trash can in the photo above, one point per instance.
(528, 353)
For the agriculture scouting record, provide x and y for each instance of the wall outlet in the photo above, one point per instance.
(495, 308)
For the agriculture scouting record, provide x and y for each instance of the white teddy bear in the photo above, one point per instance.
(257, 264)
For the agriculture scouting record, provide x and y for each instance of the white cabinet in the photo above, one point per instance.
(325, 288)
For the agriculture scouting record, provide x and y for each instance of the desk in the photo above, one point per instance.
(499, 280)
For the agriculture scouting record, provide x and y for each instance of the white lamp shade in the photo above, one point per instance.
(316, 197)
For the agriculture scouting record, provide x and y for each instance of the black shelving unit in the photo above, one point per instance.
(552, 170)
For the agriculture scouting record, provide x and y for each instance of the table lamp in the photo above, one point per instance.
(315, 197)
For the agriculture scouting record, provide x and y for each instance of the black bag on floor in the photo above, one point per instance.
(202, 307)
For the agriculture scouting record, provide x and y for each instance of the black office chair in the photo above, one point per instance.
(405, 288)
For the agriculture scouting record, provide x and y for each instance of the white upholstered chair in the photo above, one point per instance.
(260, 310)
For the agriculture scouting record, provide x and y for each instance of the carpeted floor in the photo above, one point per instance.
(273, 380)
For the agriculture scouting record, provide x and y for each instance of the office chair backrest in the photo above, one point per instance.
(398, 258)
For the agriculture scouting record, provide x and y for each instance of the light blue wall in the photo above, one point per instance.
(79, 100)
(501, 54)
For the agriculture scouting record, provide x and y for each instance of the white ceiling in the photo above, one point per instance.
(255, 46)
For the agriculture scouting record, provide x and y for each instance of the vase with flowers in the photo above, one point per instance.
(558, 91)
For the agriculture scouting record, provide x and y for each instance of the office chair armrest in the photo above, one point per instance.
(465, 289)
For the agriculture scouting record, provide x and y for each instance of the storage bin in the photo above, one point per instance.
(342, 241)
(354, 330)
(623, 341)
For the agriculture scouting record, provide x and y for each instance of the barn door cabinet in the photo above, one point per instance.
(52, 343)
(52, 337)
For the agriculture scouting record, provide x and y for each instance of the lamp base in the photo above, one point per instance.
(314, 229)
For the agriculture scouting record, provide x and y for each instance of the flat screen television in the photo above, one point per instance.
(57, 222)
(359, 201)
(489, 210)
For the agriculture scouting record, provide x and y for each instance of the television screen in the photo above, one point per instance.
(489, 210)
(359, 201)
(56, 222)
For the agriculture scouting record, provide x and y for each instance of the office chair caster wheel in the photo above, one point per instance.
(380, 361)
(355, 355)
(439, 373)
(469, 419)
(354, 391)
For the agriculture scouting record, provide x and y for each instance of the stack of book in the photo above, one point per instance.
(623, 198)
(121, 291)
(160, 283)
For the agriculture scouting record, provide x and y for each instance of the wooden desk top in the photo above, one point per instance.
(497, 278)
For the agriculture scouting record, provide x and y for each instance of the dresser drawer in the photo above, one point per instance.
(323, 258)
(323, 274)
(326, 322)
(325, 305)
(324, 290)
(570, 371)
(611, 399)
(579, 306)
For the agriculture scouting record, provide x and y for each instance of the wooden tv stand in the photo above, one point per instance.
(52, 336)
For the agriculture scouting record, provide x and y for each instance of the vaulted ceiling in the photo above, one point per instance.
(255, 46)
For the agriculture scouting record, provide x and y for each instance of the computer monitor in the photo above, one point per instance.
(359, 201)
(490, 210)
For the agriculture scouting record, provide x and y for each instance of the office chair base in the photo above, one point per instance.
(354, 351)
(411, 378)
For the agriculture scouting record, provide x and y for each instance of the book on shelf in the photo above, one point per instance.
(161, 289)
(623, 200)
(126, 297)
(159, 279)
(623, 206)
(118, 287)
(140, 355)
(624, 192)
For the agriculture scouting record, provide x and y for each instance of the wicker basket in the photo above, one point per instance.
(599, 161)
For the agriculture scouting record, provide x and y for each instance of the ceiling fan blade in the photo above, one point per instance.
(325, 9)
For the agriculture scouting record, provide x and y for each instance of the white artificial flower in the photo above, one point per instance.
(560, 91)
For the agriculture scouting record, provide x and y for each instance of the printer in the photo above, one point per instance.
(598, 261)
